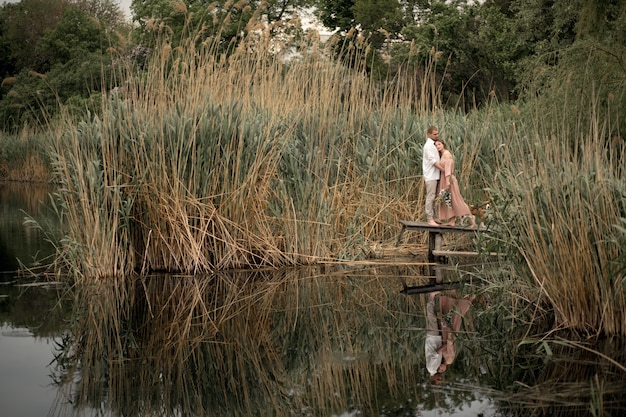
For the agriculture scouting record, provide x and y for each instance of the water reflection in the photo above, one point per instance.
(299, 342)
(23, 243)
(31, 316)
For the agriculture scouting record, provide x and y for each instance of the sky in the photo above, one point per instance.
(125, 6)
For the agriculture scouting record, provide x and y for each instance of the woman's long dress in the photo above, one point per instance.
(459, 207)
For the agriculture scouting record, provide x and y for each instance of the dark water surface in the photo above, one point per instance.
(322, 341)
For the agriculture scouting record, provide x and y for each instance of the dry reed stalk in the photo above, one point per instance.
(562, 213)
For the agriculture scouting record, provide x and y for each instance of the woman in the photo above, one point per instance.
(447, 181)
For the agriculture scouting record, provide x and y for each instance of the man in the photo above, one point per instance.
(430, 157)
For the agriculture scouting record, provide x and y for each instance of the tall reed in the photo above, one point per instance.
(560, 198)
(208, 162)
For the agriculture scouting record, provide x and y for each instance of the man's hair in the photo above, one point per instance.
(431, 129)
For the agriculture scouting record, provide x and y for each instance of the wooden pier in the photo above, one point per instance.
(435, 237)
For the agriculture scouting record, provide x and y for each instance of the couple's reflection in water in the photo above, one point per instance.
(446, 310)
(444, 316)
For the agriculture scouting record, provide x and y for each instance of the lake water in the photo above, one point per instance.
(340, 341)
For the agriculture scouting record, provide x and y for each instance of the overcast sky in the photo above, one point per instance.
(125, 6)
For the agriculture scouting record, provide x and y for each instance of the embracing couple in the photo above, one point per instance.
(438, 170)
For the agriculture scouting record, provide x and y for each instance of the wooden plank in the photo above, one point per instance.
(435, 237)
(462, 253)
(425, 227)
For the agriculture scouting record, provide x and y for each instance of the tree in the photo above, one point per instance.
(496, 37)
(75, 36)
(376, 19)
(225, 18)
(581, 60)
(73, 62)
(22, 28)
(441, 44)
(337, 14)
(107, 12)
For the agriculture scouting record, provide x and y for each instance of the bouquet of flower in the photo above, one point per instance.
(444, 197)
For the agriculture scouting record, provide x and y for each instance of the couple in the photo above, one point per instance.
(438, 170)
(440, 343)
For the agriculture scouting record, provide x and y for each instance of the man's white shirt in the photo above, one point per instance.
(430, 156)
(433, 359)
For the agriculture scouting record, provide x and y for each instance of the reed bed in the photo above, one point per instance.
(560, 199)
(209, 161)
(23, 157)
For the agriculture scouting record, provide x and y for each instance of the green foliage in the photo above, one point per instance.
(337, 14)
(442, 36)
(107, 12)
(379, 19)
(482, 50)
(546, 26)
(30, 101)
(74, 61)
(585, 79)
(74, 35)
(499, 51)
(226, 20)
(365, 25)
(22, 27)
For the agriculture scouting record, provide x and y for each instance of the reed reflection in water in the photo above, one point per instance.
(296, 342)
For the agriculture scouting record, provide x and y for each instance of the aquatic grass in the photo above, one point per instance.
(560, 199)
